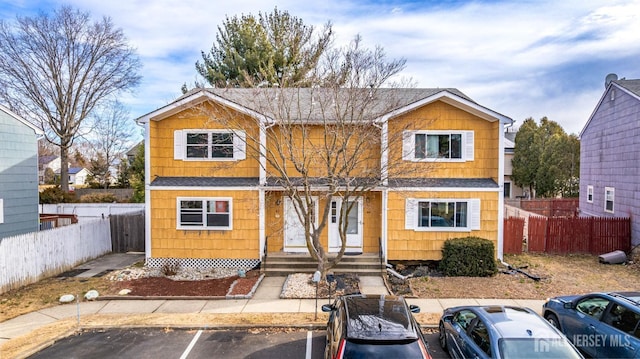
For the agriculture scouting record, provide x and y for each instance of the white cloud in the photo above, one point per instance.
(521, 58)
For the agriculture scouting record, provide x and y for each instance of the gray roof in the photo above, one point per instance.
(443, 182)
(631, 85)
(205, 182)
(321, 103)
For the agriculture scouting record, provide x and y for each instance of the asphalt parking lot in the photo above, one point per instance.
(195, 344)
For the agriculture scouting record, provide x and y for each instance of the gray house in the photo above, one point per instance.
(610, 155)
(18, 175)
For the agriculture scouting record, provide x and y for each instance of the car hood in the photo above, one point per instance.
(565, 298)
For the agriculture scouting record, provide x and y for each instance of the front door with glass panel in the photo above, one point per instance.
(354, 226)
(294, 236)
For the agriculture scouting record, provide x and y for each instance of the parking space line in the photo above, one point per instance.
(309, 341)
(193, 342)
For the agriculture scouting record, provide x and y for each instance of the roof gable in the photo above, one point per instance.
(630, 87)
(35, 129)
(312, 102)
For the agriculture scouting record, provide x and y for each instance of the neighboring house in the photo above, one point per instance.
(133, 152)
(77, 175)
(610, 155)
(18, 174)
(511, 190)
(52, 162)
(212, 206)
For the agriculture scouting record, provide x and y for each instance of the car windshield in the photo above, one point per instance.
(382, 350)
(525, 348)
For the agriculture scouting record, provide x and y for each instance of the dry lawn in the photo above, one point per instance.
(561, 275)
(572, 274)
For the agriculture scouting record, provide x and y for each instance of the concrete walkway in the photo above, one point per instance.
(266, 299)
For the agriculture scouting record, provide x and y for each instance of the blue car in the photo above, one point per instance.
(602, 325)
(501, 332)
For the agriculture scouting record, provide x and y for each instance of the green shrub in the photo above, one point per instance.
(54, 195)
(469, 257)
(101, 197)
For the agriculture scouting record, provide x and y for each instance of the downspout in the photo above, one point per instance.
(384, 161)
(500, 191)
(147, 188)
(262, 188)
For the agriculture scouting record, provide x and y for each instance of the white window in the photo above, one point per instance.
(590, 194)
(205, 213)
(442, 214)
(609, 198)
(445, 146)
(209, 145)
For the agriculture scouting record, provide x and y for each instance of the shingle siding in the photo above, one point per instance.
(610, 157)
(18, 176)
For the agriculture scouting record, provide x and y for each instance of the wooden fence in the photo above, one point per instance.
(127, 232)
(27, 258)
(513, 235)
(561, 235)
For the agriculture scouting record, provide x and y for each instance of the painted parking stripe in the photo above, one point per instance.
(193, 342)
(309, 341)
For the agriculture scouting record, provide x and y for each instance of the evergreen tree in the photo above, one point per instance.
(275, 49)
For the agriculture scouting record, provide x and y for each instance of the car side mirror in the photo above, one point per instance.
(568, 305)
(414, 308)
(328, 308)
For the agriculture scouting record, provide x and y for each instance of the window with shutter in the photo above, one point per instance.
(204, 213)
(204, 145)
(441, 146)
(442, 214)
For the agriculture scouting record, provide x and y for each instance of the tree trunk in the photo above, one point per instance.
(64, 168)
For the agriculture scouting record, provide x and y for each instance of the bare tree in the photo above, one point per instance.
(110, 135)
(325, 141)
(55, 69)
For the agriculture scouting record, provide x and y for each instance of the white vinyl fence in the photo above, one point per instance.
(27, 258)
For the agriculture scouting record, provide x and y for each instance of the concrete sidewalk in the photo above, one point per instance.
(266, 299)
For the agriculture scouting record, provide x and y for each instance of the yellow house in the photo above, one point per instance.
(214, 180)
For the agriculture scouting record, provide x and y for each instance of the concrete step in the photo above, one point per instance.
(278, 264)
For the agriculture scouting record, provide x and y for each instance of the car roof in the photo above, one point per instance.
(378, 317)
(516, 322)
(633, 297)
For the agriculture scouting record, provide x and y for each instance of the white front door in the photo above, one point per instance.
(354, 226)
(294, 235)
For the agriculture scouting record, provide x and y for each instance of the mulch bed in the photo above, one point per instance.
(165, 287)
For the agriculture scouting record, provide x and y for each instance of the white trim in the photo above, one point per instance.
(501, 182)
(384, 228)
(194, 99)
(147, 190)
(204, 227)
(453, 100)
(412, 213)
(261, 223)
(590, 192)
(384, 156)
(238, 145)
(613, 201)
(467, 144)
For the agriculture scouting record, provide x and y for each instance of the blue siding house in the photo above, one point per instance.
(610, 155)
(18, 175)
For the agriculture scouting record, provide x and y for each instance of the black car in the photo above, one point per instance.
(373, 326)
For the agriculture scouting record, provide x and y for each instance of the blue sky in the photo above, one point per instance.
(520, 58)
